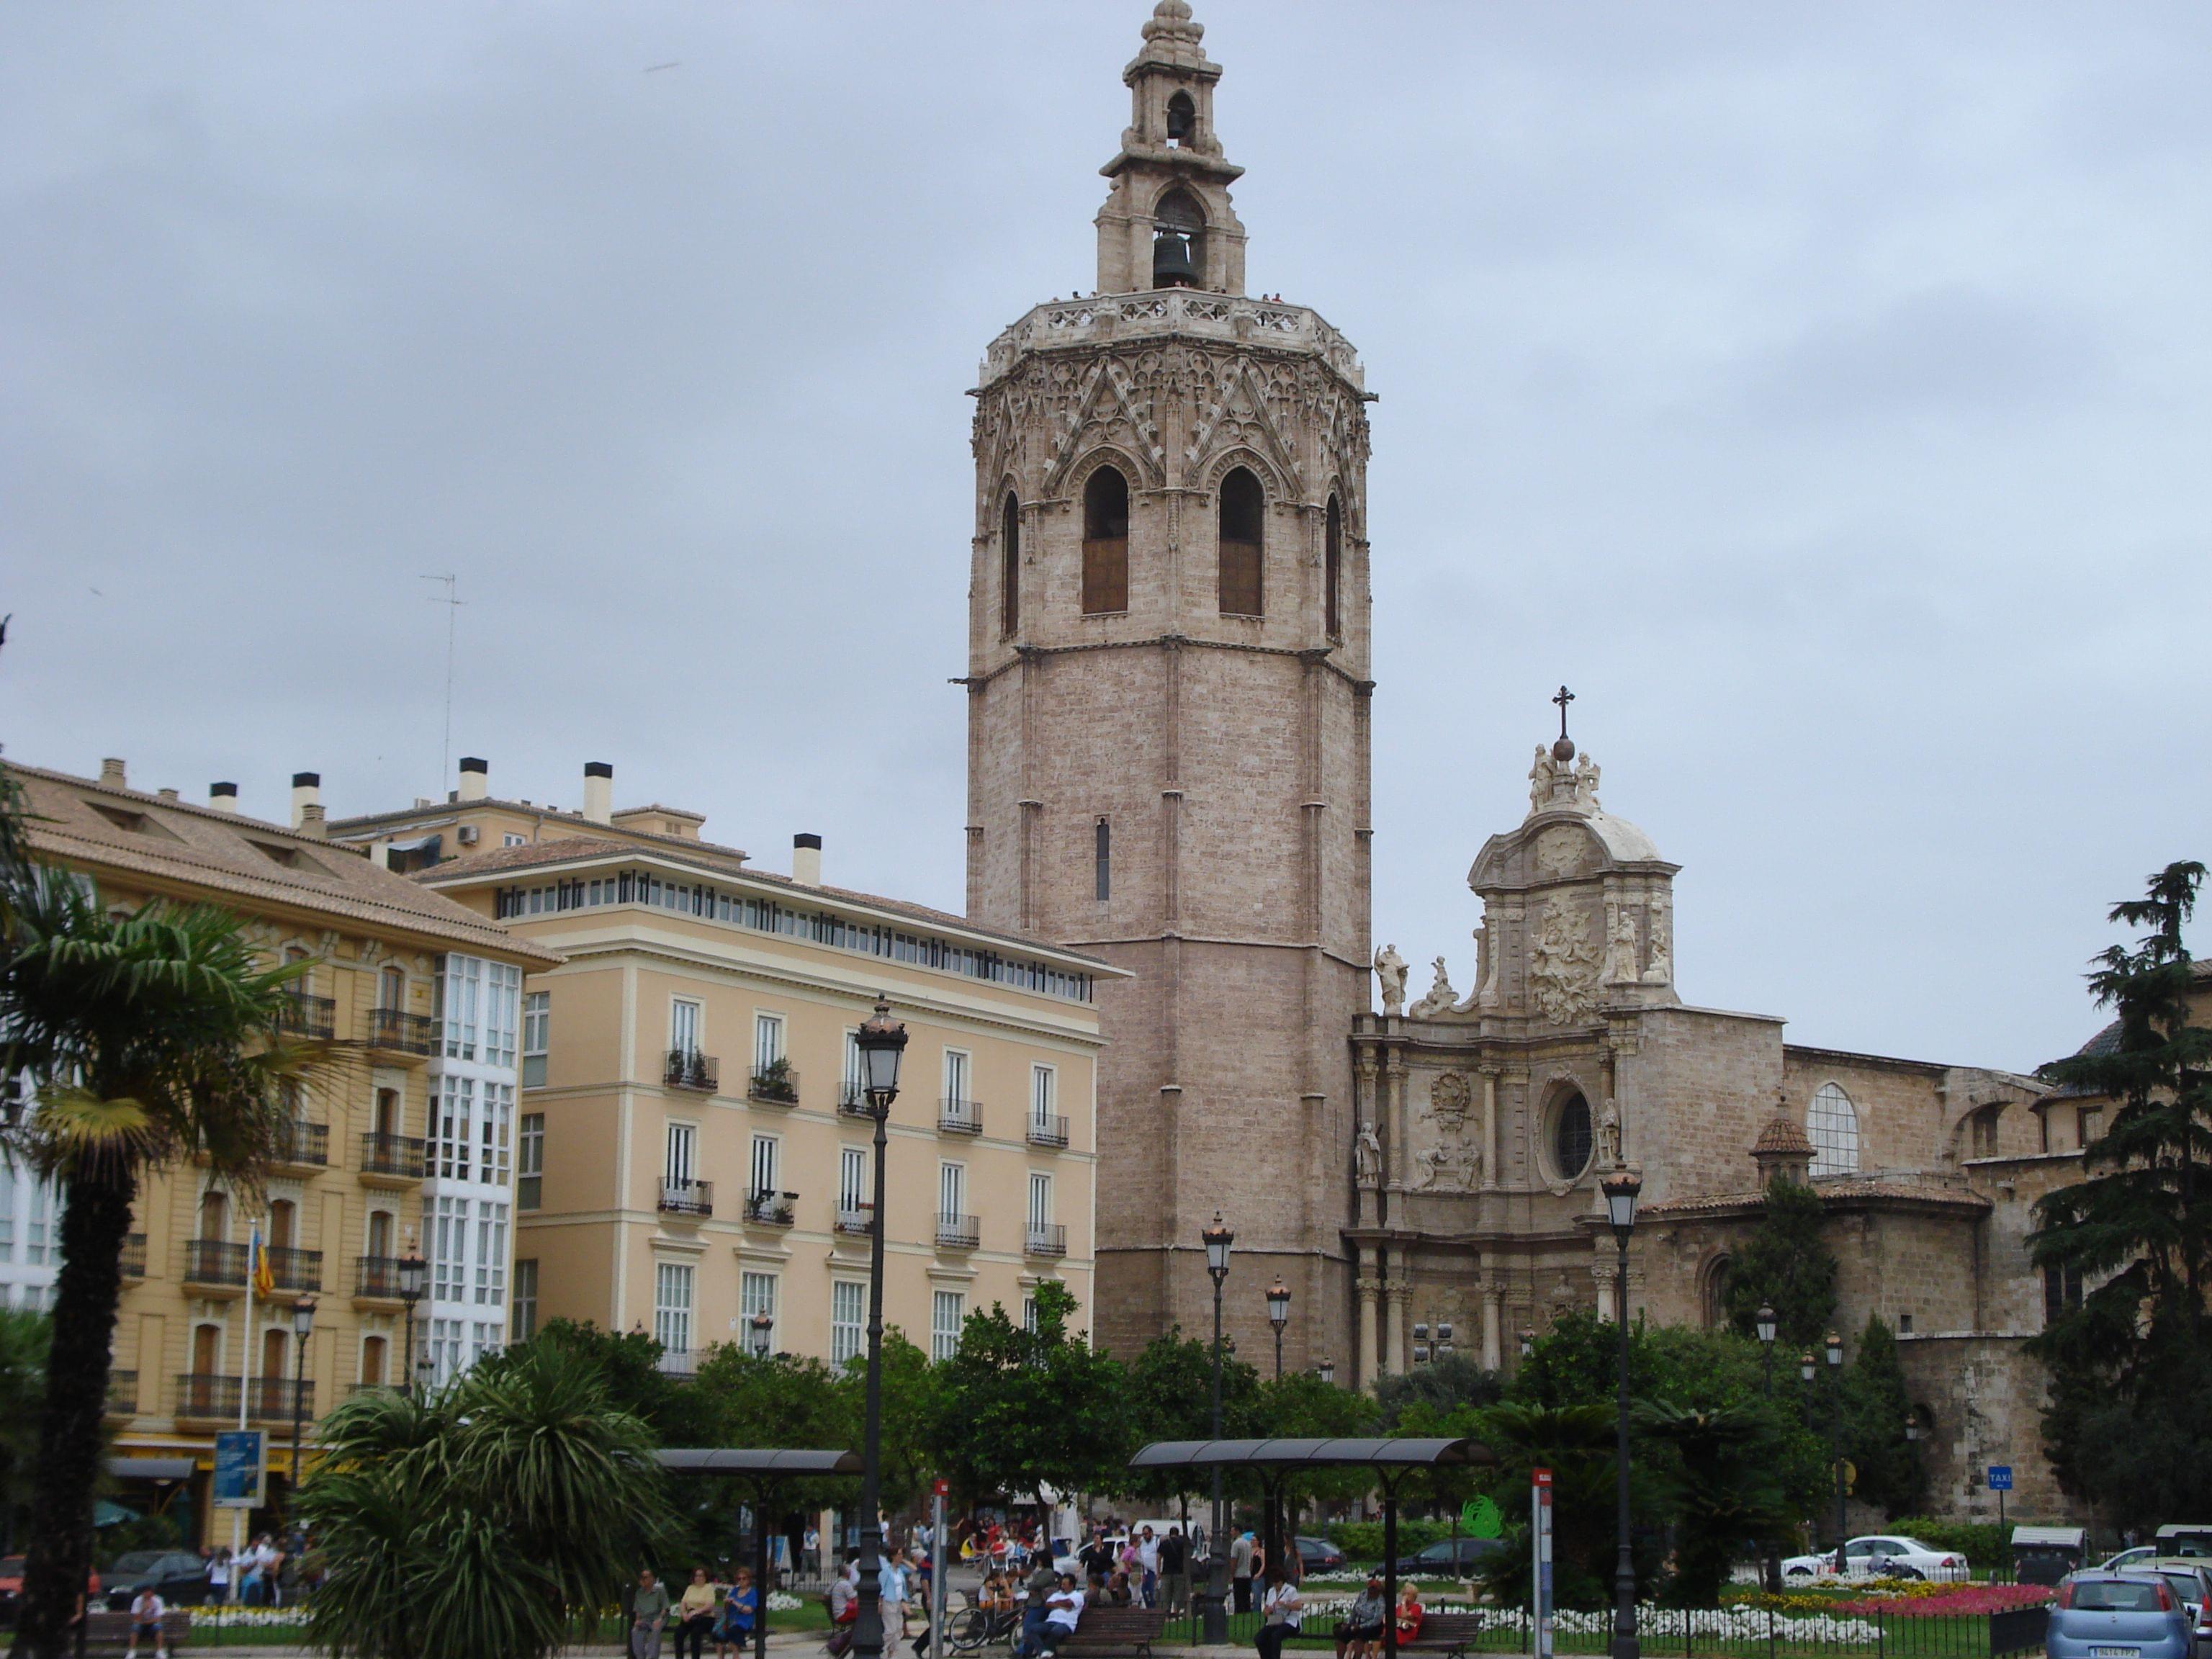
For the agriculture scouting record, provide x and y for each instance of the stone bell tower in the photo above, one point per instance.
(1167, 690)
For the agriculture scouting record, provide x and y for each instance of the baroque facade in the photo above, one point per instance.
(1167, 696)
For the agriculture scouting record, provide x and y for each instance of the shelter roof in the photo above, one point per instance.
(1340, 1452)
(756, 1460)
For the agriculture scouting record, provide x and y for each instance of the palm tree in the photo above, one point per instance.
(142, 1038)
(480, 1521)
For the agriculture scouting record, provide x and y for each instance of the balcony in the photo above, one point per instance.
(123, 1393)
(376, 1279)
(303, 1144)
(392, 1032)
(677, 1362)
(958, 1232)
(687, 1198)
(1045, 1238)
(207, 1397)
(775, 1084)
(853, 1101)
(314, 1017)
(134, 1255)
(771, 1209)
(393, 1160)
(857, 1220)
(959, 1117)
(293, 1270)
(689, 1069)
(211, 1264)
(1046, 1130)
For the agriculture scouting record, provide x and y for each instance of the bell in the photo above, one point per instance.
(1171, 265)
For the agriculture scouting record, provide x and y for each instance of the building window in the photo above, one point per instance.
(951, 1191)
(757, 1295)
(852, 1180)
(850, 1090)
(767, 1041)
(460, 997)
(7, 1214)
(2088, 1124)
(1332, 575)
(387, 1111)
(491, 1254)
(38, 1237)
(1242, 511)
(495, 1122)
(763, 1166)
(530, 1163)
(1010, 565)
(672, 1306)
(955, 1078)
(450, 1146)
(503, 997)
(1714, 1301)
(537, 1033)
(446, 1225)
(373, 1349)
(392, 988)
(1040, 1202)
(1833, 1125)
(1105, 542)
(1102, 860)
(1045, 1095)
(508, 838)
(443, 1351)
(1571, 1142)
(683, 1026)
(1028, 1314)
(2062, 1292)
(1984, 1127)
(946, 1310)
(848, 1315)
(682, 1154)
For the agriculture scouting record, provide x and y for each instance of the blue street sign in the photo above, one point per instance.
(238, 1470)
(2000, 1477)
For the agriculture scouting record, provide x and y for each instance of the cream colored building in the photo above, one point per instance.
(404, 1141)
(690, 1152)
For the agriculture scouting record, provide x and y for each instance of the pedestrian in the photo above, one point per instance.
(1361, 1628)
(694, 1616)
(813, 1551)
(738, 1607)
(218, 1576)
(1281, 1611)
(1175, 1571)
(891, 1601)
(1240, 1570)
(146, 1610)
(648, 1612)
(1097, 1557)
(1148, 1567)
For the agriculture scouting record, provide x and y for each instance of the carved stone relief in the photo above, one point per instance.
(1440, 997)
(1563, 964)
(1450, 1161)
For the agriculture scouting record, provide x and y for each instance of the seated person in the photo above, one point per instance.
(1114, 1593)
(1361, 1629)
(1409, 1611)
(1062, 1608)
(997, 1595)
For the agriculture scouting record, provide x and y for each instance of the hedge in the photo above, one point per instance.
(1984, 1543)
(1362, 1541)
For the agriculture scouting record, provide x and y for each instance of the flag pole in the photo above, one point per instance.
(245, 1380)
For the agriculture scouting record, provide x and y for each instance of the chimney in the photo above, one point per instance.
(306, 791)
(806, 860)
(476, 779)
(311, 821)
(598, 792)
(168, 794)
(110, 773)
(223, 797)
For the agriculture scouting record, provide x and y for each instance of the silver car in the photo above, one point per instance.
(2190, 1580)
(2111, 1615)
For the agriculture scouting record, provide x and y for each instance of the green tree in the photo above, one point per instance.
(146, 1037)
(1875, 1406)
(480, 1521)
(23, 1338)
(1454, 1380)
(912, 1413)
(626, 1365)
(1576, 1443)
(1300, 1406)
(1018, 1407)
(1171, 1397)
(1725, 1492)
(2128, 1425)
(1785, 1265)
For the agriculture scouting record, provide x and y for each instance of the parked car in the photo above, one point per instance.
(1884, 1555)
(2112, 1615)
(1435, 1560)
(2191, 1539)
(11, 1587)
(1319, 1555)
(177, 1577)
(2190, 1580)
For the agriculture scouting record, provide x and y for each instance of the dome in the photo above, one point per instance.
(1782, 1136)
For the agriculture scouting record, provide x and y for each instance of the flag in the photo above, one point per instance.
(265, 1280)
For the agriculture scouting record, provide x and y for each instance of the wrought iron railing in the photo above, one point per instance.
(771, 1209)
(299, 1141)
(392, 1155)
(1046, 1239)
(689, 1069)
(958, 1232)
(214, 1261)
(960, 1117)
(688, 1197)
(302, 1015)
(402, 1033)
(1047, 1131)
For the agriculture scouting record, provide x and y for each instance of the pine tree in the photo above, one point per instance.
(1875, 1407)
(1786, 1266)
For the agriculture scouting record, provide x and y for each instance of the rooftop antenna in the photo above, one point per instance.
(452, 602)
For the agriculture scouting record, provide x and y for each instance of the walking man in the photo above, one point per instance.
(1240, 1570)
(1175, 1571)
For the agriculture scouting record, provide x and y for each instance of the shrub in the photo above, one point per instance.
(1362, 1541)
(1984, 1543)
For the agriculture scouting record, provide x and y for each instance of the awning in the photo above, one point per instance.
(757, 1461)
(150, 1468)
(1366, 1452)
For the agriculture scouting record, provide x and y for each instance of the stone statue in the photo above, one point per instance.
(1441, 996)
(1586, 783)
(1609, 1135)
(1391, 969)
(1661, 971)
(1367, 1156)
(1621, 953)
(1455, 1167)
(1539, 778)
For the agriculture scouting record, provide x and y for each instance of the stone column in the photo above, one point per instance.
(1396, 1292)
(1493, 1329)
(1370, 1289)
(1489, 1130)
(1393, 1090)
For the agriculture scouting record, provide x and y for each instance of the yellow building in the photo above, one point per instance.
(419, 999)
(691, 1160)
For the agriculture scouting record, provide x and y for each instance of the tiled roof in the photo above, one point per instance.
(1781, 1136)
(1831, 1190)
(364, 826)
(500, 861)
(252, 864)
(2106, 1042)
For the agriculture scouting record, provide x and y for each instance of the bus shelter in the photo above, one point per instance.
(768, 1468)
(1277, 1461)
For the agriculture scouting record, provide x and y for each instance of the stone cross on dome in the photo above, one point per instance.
(1563, 749)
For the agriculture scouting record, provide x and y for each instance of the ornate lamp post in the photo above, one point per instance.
(1527, 1344)
(303, 1324)
(414, 1277)
(762, 1323)
(1836, 1437)
(1326, 1371)
(1769, 1328)
(881, 1042)
(1279, 1315)
(1806, 1369)
(1217, 1239)
(1620, 1188)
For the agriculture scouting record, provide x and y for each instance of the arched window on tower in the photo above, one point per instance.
(1182, 120)
(1243, 509)
(1105, 542)
(1179, 241)
(1833, 1125)
(1010, 565)
(1333, 571)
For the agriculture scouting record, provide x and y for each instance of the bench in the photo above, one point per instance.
(1115, 1629)
(1447, 1633)
(110, 1632)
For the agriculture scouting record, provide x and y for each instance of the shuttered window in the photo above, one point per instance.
(1105, 542)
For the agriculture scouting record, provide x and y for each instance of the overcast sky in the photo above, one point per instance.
(1824, 392)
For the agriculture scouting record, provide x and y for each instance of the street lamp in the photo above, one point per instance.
(762, 1323)
(1912, 1430)
(1768, 1328)
(414, 1274)
(1527, 1344)
(1279, 1315)
(1217, 1239)
(1836, 1438)
(1620, 1188)
(303, 1323)
(1326, 1371)
(880, 1042)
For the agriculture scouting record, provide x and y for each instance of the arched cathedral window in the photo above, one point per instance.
(1833, 1125)
(1010, 566)
(1572, 1136)
(1333, 571)
(1243, 510)
(1105, 542)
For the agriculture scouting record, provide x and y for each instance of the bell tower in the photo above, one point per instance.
(1168, 691)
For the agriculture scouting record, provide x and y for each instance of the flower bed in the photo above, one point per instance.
(1933, 1601)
